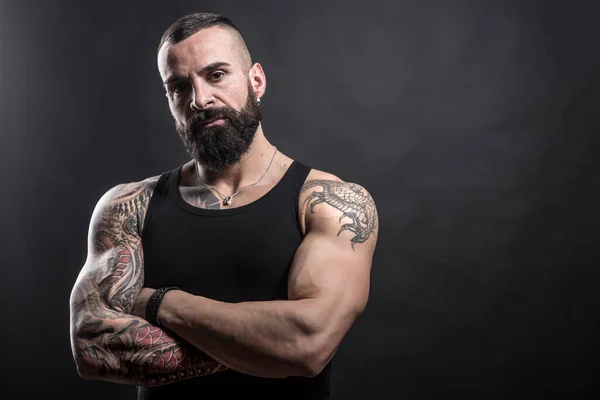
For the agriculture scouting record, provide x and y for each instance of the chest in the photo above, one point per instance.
(240, 257)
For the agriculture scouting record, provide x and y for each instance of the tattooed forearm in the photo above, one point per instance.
(126, 349)
(351, 200)
(108, 343)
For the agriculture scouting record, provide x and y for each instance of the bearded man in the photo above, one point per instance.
(240, 270)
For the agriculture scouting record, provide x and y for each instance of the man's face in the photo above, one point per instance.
(211, 97)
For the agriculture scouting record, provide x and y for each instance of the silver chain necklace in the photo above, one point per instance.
(227, 200)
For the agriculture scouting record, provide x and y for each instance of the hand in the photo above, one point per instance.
(139, 306)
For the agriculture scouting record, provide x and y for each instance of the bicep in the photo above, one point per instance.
(333, 263)
(116, 271)
(325, 270)
(112, 275)
(109, 280)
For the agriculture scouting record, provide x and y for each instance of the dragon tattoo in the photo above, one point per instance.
(351, 200)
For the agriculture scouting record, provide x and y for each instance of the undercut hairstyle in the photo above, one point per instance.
(189, 24)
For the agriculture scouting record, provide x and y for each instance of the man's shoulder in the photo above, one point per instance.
(130, 191)
(124, 205)
(316, 175)
(325, 196)
(327, 181)
(127, 198)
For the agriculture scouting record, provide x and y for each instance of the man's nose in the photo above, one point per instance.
(202, 96)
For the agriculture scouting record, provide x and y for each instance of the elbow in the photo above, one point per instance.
(91, 360)
(86, 374)
(320, 343)
(315, 354)
(312, 369)
(83, 363)
(86, 370)
(320, 337)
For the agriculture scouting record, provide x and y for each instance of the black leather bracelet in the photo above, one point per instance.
(154, 303)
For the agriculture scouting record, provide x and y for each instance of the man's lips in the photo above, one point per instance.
(211, 122)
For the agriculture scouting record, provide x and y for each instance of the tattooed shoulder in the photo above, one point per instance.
(128, 196)
(123, 207)
(358, 213)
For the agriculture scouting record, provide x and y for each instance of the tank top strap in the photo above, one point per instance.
(297, 177)
(293, 181)
(158, 193)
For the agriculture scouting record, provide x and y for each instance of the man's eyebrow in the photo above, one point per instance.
(173, 79)
(209, 67)
(213, 66)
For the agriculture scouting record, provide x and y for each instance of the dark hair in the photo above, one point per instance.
(189, 24)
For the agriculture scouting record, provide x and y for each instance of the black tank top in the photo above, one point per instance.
(231, 255)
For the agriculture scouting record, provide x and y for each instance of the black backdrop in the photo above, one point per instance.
(474, 124)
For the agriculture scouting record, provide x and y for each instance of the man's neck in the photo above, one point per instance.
(247, 171)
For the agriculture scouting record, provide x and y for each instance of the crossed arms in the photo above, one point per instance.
(327, 289)
(109, 343)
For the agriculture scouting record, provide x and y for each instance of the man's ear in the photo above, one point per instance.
(258, 80)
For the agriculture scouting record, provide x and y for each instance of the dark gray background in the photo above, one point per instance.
(474, 124)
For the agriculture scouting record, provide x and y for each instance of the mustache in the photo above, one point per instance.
(209, 114)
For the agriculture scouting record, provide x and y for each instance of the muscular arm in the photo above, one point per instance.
(107, 342)
(328, 288)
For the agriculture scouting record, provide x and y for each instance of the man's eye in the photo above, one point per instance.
(215, 76)
(176, 89)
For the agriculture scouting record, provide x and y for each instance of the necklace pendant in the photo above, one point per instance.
(227, 200)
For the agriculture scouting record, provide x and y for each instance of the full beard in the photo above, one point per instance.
(218, 147)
